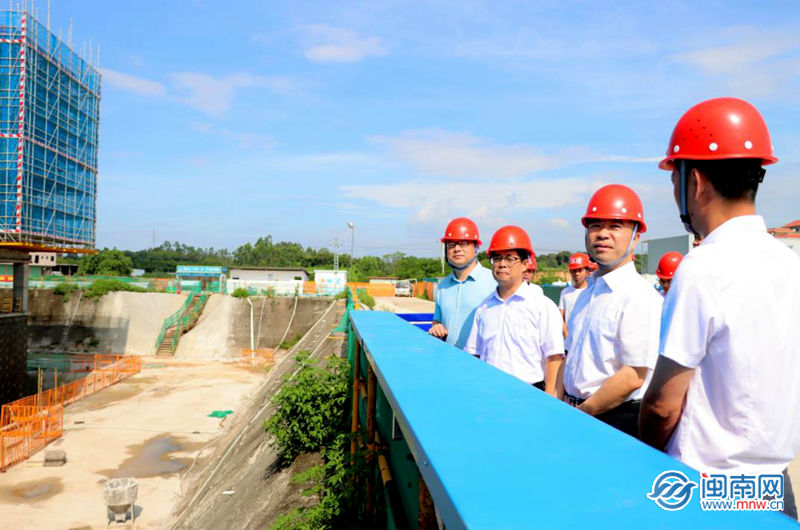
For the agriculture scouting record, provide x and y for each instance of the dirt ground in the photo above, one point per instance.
(151, 426)
(403, 304)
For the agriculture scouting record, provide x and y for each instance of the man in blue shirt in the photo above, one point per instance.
(460, 294)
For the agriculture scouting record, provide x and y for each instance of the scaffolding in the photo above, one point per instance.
(49, 132)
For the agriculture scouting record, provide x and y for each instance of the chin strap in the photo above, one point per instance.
(627, 250)
(684, 196)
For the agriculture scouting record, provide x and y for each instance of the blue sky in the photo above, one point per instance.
(222, 122)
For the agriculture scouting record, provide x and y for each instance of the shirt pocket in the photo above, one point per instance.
(605, 336)
(523, 329)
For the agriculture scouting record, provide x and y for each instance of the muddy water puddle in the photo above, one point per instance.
(37, 490)
(151, 459)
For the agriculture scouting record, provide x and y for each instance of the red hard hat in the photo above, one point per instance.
(717, 129)
(461, 229)
(531, 263)
(593, 266)
(668, 264)
(616, 201)
(579, 260)
(510, 237)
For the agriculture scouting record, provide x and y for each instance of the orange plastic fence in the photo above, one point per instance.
(429, 288)
(30, 423)
(373, 289)
(309, 287)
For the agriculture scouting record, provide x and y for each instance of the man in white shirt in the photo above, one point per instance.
(579, 270)
(517, 328)
(613, 337)
(725, 396)
(665, 271)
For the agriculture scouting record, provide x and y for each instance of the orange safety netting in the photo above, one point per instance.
(30, 423)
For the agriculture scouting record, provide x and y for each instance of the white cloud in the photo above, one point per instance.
(214, 96)
(749, 49)
(750, 62)
(208, 94)
(488, 201)
(328, 44)
(130, 83)
(461, 155)
(560, 222)
(245, 140)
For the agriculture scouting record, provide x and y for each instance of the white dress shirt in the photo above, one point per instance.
(733, 314)
(566, 301)
(518, 334)
(615, 322)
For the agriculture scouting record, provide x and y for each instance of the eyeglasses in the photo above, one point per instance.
(453, 244)
(508, 259)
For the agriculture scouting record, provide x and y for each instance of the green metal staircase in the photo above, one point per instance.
(180, 322)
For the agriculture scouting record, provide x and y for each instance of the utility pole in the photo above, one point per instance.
(336, 246)
(352, 226)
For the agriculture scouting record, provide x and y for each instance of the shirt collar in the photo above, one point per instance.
(473, 274)
(524, 291)
(617, 278)
(736, 225)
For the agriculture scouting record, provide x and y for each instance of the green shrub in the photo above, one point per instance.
(342, 294)
(101, 287)
(333, 484)
(310, 409)
(546, 279)
(63, 289)
(424, 295)
(240, 292)
(365, 298)
(287, 344)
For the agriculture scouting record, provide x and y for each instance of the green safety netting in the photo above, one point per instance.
(220, 413)
(344, 323)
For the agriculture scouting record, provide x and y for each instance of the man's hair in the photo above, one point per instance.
(733, 178)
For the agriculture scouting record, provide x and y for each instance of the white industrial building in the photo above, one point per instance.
(282, 281)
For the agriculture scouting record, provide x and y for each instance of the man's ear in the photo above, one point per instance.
(699, 185)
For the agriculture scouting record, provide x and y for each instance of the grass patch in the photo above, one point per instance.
(240, 292)
(365, 298)
(101, 287)
(288, 343)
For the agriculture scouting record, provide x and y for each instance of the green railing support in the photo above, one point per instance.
(183, 320)
(173, 319)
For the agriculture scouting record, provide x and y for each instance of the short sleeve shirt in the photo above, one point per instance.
(733, 315)
(615, 322)
(566, 301)
(517, 335)
(456, 302)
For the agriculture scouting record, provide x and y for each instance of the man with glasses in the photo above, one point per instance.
(614, 324)
(460, 293)
(517, 328)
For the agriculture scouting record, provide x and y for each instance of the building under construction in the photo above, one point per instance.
(49, 127)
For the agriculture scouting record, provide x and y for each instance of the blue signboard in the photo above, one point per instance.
(200, 270)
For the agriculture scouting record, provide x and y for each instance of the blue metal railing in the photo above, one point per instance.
(496, 453)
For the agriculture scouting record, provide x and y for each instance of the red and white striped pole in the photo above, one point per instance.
(21, 122)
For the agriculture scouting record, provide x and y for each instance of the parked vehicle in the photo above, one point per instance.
(403, 288)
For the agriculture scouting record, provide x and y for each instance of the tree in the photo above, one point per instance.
(111, 262)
